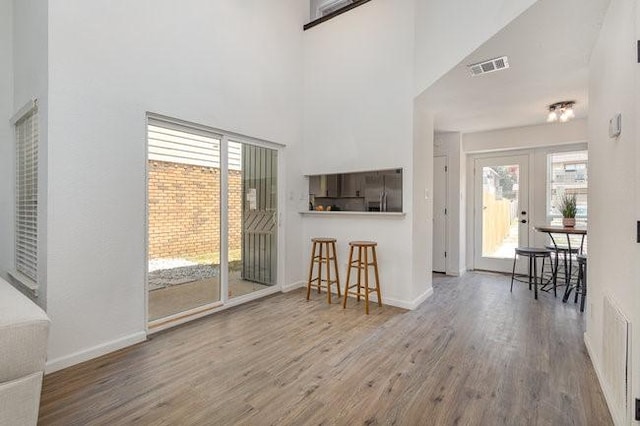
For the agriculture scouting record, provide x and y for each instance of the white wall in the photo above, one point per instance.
(226, 64)
(514, 138)
(358, 115)
(30, 81)
(358, 73)
(450, 145)
(6, 138)
(448, 31)
(422, 230)
(614, 181)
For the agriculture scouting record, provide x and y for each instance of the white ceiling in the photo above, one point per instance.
(548, 47)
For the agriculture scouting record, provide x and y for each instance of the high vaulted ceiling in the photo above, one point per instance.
(548, 47)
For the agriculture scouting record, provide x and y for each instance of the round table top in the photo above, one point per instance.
(577, 230)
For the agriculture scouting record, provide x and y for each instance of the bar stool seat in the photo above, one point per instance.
(533, 254)
(362, 263)
(532, 251)
(323, 252)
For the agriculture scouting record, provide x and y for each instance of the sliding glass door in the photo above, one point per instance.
(212, 219)
(183, 219)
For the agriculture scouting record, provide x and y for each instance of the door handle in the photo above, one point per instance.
(523, 221)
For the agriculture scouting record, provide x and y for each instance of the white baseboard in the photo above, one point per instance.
(411, 305)
(289, 287)
(404, 304)
(94, 352)
(618, 418)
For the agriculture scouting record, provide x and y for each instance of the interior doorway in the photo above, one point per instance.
(501, 210)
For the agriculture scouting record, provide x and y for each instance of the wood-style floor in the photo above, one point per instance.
(472, 354)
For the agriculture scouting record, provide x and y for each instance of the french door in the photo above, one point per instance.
(501, 206)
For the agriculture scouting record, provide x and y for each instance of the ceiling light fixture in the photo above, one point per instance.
(561, 111)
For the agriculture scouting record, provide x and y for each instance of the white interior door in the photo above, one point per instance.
(440, 214)
(501, 194)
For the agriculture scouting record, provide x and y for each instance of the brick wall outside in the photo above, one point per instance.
(184, 211)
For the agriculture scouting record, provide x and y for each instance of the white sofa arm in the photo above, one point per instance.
(24, 331)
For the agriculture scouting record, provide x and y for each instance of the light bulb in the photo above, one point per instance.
(564, 117)
(552, 116)
(569, 113)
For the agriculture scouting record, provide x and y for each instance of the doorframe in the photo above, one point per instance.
(471, 195)
(447, 231)
(155, 326)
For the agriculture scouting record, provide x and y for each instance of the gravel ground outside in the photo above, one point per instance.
(169, 272)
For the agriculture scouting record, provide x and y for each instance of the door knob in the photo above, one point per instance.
(523, 221)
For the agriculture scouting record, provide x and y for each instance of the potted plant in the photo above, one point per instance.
(567, 206)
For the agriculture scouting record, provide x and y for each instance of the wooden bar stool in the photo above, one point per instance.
(324, 252)
(362, 264)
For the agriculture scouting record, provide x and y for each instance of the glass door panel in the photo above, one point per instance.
(568, 174)
(501, 221)
(183, 219)
(253, 218)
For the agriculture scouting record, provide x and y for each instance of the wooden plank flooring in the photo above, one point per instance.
(473, 354)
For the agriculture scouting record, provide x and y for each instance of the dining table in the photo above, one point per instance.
(568, 231)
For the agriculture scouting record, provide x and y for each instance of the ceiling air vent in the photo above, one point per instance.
(491, 65)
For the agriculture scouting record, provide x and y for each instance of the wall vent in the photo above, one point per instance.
(615, 354)
(491, 65)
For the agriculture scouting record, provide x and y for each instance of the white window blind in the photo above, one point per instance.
(26, 215)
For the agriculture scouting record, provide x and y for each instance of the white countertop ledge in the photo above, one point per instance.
(341, 213)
